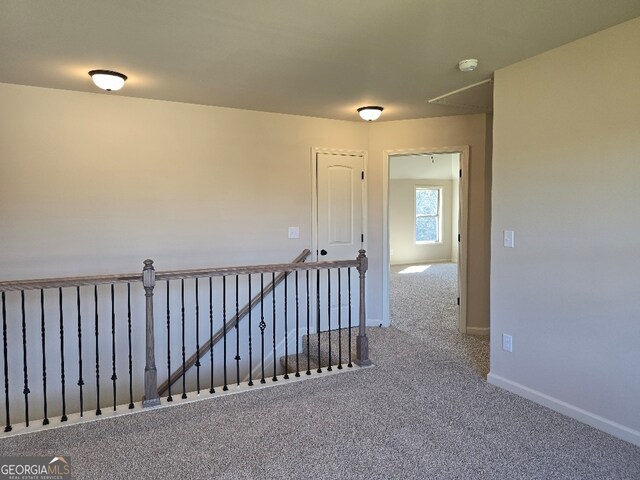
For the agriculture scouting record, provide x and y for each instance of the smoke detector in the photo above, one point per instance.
(468, 65)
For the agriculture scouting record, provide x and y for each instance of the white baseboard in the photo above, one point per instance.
(616, 429)
(375, 322)
(422, 262)
(478, 331)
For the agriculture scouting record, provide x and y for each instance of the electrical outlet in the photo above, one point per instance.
(507, 342)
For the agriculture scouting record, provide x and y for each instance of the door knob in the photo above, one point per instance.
(323, 252)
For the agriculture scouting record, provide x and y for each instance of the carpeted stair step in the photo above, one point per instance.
(339, 338)
(288, 364)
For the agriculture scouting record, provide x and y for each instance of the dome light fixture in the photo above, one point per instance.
(370, 113)
(108, 80)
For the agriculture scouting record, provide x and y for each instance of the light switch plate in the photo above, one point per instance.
(294, 232)
(509, 239)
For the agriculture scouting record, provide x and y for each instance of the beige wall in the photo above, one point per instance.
(426, 134)
(96, 183)
(402, 241)
(565, 178)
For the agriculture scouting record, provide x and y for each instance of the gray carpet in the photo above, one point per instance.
(424, 304)
(423, 411)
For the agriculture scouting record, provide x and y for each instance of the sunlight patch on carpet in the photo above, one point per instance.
(415, 269)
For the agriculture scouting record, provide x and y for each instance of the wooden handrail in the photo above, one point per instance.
(63, 282)
(231, 323)
(256, 269)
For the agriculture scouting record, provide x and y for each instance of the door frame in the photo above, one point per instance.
(463, 220)
(314, 194)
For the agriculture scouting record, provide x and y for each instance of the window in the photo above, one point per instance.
(428, 212)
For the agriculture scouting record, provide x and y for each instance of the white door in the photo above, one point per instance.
(340, 181)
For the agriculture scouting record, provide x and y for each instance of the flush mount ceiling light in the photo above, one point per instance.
(468, 65)
(108, 80)
(370, 113)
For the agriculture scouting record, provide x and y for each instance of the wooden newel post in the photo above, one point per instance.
(362, 342)
(151, 397)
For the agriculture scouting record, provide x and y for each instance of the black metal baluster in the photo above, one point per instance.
(80, 379)
(169, 397)
(131, 405)
(286, 331)
(297, 327)
(44, 360)
(184, 359)
(225, 387)
(250, 340)
(197, 364)
(273, 302)
(329, 368)
(318, 318)
(262, 323)
(114, 377)
(64, 417)
(350, 364)
(308, 327)
(8, 426)
(26, 390)
(95, 304)
(237, 336)
(211, 389)
(339, 319)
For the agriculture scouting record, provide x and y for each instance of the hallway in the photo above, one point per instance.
(423, 304)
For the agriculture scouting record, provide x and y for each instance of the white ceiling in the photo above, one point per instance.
(437, 166)
(306, 57)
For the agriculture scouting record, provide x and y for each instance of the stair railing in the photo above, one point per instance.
(271, 307)
(81, 304)
(104, 312)
(219, 335)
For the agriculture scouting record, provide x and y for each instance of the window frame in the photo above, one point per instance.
(437, 216)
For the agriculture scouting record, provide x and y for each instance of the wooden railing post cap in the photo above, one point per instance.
(148, 274)
(364, 261)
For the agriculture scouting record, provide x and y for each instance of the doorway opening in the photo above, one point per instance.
(425, 198)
